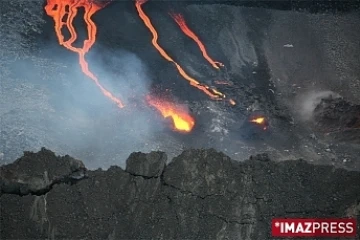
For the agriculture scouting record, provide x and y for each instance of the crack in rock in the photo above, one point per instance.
(200, 194)
(37, 177)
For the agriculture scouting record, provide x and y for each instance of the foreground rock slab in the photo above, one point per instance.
(201, 194)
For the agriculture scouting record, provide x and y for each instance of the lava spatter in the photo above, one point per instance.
(258, 120)
(232, 102)
(179, 19)
(212, 93)
(63, 13)
(261, 121)
(182, 121)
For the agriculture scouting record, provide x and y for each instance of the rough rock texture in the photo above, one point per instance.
(339, 119)
(337, 113)
(26, 176)
(146, 165)
(201, 194)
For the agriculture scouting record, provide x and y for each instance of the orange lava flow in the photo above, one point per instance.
(182, 120)
(259, 120)
(58, 10)
(179, 19)
(213, 93)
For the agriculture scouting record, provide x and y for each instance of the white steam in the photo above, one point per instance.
(63, 110)
(306, 103)
(218, 123)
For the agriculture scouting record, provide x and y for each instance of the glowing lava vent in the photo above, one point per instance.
(182, 121)
(261, 121)
(63, 13)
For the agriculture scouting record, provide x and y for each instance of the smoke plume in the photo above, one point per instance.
(306, 103)
(64, 111)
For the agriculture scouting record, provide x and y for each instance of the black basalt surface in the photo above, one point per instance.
(201, 194)
(339, 119)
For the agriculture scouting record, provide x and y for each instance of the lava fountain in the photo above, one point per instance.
(182, 121)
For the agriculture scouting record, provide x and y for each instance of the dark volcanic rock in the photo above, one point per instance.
(146, 165)
(339, 119)
(200, 194)
(36, 173)
(337, 113)
(261, 157)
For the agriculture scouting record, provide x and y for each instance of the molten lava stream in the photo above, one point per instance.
(182, 121)
(58, 9)
(179, 19)
(213, 93)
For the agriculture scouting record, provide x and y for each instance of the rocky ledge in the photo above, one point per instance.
(339, 119)
(201, 194)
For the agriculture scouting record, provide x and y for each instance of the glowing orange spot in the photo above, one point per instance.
(181, 119)
(232, 102)
(179, 19)
(58, 10)
(259, 120)
(214, 94)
